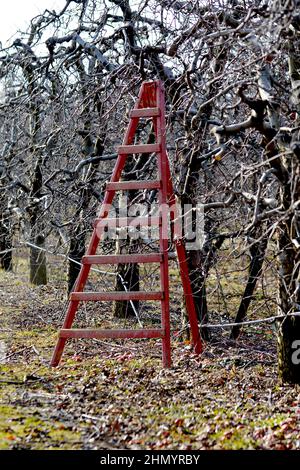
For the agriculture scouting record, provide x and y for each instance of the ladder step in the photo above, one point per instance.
(117, 295)
(91, 333)
(144, 148)
(145, 112)
(129, 221)
(119, 259)
(126, 185)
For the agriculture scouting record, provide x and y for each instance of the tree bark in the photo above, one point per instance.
(289, 350)
(89, 147)
(289, 297)
(38, 263)
(5, 247)
(288, 244)
(76, 252)
(130, 277)
(5, 237)
(38, 267)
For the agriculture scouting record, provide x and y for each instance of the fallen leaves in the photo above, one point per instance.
(112, 396)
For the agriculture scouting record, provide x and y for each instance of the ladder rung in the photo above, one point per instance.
(144, 148)
(145, 112)
(123, 185)
(89, 333)
(117, 295)
(129, 221)
(118, 259)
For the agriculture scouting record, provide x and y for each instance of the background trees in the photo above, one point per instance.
(231, 73)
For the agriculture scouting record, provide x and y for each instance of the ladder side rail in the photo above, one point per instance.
(160, 131)
(183, 266)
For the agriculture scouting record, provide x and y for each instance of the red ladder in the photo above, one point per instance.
(150, 104)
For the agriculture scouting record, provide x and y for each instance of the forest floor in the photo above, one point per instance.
(116, 395)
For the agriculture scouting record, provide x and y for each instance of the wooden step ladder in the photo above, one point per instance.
(150, 104)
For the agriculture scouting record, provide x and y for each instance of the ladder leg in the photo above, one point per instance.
(166, 351)
(189, 299)
(57, 353)
(73, 305)
(60, 345)
(164, 280)
(160, 131)
(184, 272)
(165, 320)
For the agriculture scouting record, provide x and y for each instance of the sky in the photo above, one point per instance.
(16, 14)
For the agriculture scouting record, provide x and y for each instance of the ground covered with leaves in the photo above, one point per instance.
(115, 395)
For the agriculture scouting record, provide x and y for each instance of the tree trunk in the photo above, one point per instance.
(289, 350)
(76, 252)
(38, 265)
(288, 244)
(289, 298)
(89, 147)
(130, 277)
(257, 252)
(5, 247)
(38, 261)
